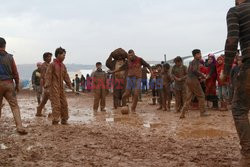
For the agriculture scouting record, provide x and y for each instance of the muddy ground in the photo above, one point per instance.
(148, 138)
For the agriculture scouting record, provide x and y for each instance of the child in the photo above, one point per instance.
(194, 86)
(45, 95)
(179, 73)
(165, 91)
(99, 87)
(159, 85)
(36, 82)
(152, 84)
(55, 76)
(222, 85)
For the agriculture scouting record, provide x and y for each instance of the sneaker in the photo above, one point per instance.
(64, 122)
(22, 131)
(55, 122)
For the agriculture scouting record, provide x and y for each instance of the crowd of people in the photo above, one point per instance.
(164, 81)
(215, 80)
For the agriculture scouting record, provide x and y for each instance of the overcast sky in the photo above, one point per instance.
(91, 29)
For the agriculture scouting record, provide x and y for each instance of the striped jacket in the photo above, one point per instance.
(238, 23)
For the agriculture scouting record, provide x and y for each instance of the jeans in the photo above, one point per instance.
(241, 106)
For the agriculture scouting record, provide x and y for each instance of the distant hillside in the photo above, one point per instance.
(25, 70)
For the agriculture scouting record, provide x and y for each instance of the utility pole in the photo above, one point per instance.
(165, 58)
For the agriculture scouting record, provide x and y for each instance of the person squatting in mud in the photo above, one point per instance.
(55, 77)
(179, 75)
(99, 87)
(36, 82)
(117, 59)
(238, 23)
(134, 70)
(9, 88)
(194, 86)
(45, 92)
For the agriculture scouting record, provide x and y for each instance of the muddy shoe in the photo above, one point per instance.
(55, 122)
(182, 116)
(22, 131)
(205, 114)
(160, 108)
(133, 111)
(64, 122)
(103, 110)
(40, 115)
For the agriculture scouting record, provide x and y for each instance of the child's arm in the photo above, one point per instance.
(67, 79)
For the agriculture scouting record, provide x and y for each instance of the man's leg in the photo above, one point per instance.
(199, 93)
(183, 96)
(56, 107)
(64, 109)
(97, 95)
(103, 99)
(116, 96)
(240, 110)
(10, 96)
(178, 100)
(45, 98)
(190, 95)
(137, 90)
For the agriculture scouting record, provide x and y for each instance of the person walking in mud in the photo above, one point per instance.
(55, 77)
(36, 82)
(9, 88)
(99, 78)
(238, 23)
(179, 75)
(45, 95)
(133, 68)
(116, 59)
(165, 96)
(78, 82)
(194, 86)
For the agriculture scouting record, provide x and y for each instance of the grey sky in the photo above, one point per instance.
(91, 29)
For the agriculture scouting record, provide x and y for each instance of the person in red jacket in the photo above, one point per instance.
(211, 81)
(222, 85)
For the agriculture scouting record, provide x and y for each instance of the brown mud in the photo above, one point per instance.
(147, 138)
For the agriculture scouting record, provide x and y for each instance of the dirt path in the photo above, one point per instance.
(148, 138)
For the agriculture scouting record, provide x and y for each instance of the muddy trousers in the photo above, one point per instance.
(117, 97)
(7, 91)
(180, 98)
(99, 98)
(59, 106)
(45, 98)
(133, 85)
(240, 108)
(165, 98)
(194, 89)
